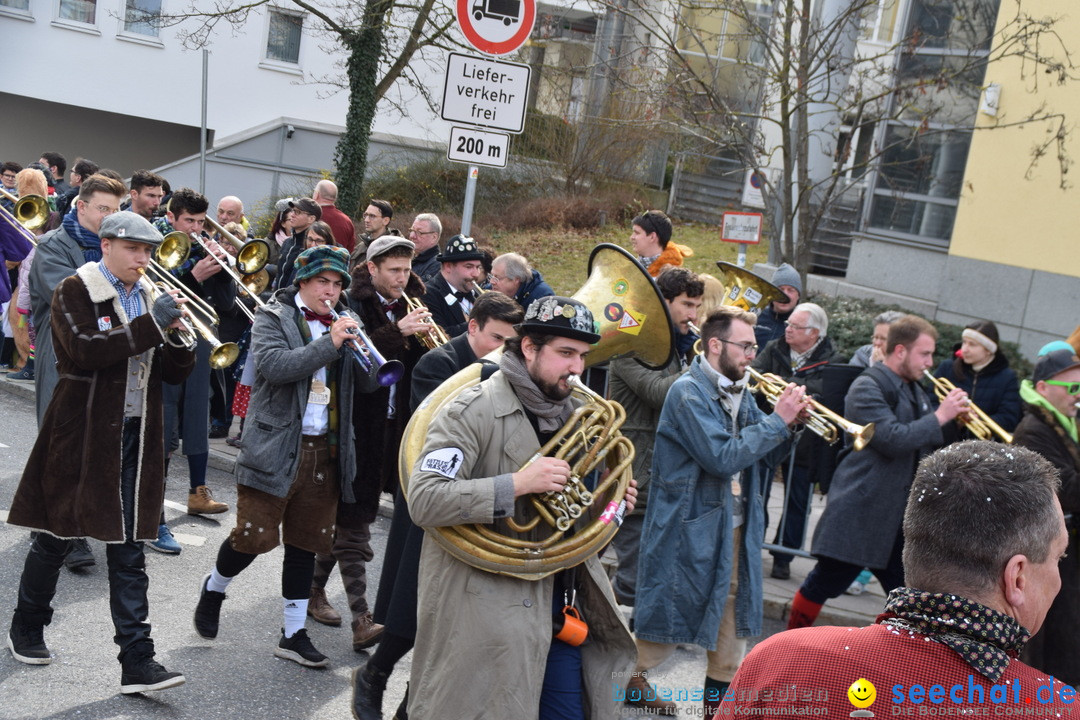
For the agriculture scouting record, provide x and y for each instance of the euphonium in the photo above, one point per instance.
(579, 520)
(822, 421)
(432, 339)
(979, 423)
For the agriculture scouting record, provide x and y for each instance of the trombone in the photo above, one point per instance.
(222, 355)
(978, 422)
(252, 283)
(30, 213)
(430, 339)
(251, 256)
(822, 421)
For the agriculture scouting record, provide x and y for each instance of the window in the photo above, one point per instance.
(84, 11)
(283, 41)
(142, 17)
(16, 4)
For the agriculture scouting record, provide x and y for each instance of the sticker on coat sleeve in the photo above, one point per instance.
(104, 323)
(445, 461)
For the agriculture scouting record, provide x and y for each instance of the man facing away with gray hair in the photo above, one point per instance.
(983, 533)
(341, 226)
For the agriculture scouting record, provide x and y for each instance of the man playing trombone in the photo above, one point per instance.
(106, 482)
(187, 406)
(299, 452)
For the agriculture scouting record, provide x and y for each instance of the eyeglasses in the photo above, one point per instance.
(793, 326)
(747, 348)
(103, 209)
(370, 216)
(412, 231)
(8, 176)
(1073, 388)
(495, 278)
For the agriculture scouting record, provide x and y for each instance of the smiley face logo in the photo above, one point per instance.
(862, 694)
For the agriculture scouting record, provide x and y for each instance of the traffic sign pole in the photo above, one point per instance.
(470, 200)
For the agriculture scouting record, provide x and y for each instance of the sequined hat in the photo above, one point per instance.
(460, 248)
(566, 317)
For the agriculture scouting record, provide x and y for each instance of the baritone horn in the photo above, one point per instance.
(979, 423)
(744, 290)
(822, 421)
(554, 531)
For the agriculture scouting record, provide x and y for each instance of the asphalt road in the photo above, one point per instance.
(235, 675)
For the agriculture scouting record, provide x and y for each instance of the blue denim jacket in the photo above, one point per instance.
(684, 571)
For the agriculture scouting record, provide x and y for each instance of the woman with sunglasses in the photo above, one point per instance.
(980, 368)
(1049, 428)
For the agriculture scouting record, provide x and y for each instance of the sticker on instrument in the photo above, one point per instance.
(631, 322)
(733, 292)
(445, 461)
(104, 323)
(613, 312)
(620, 287)
(614, 512)
(752, 296)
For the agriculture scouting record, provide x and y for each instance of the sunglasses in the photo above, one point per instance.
(1073, 388)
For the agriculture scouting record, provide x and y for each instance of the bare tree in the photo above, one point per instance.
(778, 85)
(383, 42)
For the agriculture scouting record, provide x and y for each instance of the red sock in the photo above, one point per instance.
(803, 612)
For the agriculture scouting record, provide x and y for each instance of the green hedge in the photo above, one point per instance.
(851, 323)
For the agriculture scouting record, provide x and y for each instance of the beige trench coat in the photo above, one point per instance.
(482, 639)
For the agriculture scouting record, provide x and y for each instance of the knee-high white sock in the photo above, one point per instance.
(295, 614)
(217, 581)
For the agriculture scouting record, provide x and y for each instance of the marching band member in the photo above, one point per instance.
(106, 483)
(298, 455)
(450, 296)
(469, 472)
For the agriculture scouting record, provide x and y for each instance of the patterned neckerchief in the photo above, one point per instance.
(985, 638)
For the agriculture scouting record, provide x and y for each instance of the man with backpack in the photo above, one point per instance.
(861, 525)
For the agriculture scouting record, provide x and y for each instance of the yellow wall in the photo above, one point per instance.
(1007, 213)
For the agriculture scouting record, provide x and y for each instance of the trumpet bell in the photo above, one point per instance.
(255, 283)
(628, 307)
(223, 355)
(745, 289)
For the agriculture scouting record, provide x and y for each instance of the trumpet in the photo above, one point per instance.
(978, 422)
(430, 339)
(222, 355)
(367, 355)
(822, 421)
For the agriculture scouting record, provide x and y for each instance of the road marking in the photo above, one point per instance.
(3, 515)
(176, 506)
(3, 445)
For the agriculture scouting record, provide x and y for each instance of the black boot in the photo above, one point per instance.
(368, 685)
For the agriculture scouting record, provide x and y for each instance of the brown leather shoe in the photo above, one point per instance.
(320, 609)
(640, 694)
(201, 501)
(365, 632)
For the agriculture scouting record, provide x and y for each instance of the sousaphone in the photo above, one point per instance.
(554, 531)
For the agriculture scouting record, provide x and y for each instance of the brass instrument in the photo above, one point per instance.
(251, 256)
(590, 441)
(222, 355)
(30, 211)
(251, 283)
(822, 421)
(978, 422)
(169, 255)
(745, 290)
(432, 339)
(367, 355)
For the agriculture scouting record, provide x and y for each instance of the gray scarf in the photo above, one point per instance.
(550, 414)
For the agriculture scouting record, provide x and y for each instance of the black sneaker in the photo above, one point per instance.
(208, 611)
(27, 643)
(299, 649)
(142, 673)
(80, 555)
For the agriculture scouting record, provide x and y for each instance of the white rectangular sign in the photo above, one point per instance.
(478, 147)
(486, 93)
(740, 227)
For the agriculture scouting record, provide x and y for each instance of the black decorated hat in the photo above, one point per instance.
(566, 317)
(460, 248)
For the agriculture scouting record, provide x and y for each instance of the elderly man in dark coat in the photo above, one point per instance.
(1049, 428)
(861, 526)
(96, 468)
